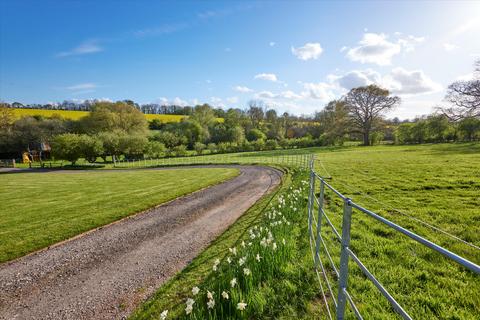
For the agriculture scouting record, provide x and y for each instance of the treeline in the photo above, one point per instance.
(149, 108)
(120, 129)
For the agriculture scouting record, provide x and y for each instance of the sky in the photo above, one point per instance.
(295, 56)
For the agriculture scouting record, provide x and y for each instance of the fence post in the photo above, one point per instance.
(310, 202)
(344, 257)
(319, 223)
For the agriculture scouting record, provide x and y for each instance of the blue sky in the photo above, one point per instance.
(295, 56)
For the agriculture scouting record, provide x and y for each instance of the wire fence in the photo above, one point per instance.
(291, 160)
(336, 303)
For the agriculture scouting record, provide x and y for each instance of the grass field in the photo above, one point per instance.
(40, 209)
(438, 184)
(75, 115)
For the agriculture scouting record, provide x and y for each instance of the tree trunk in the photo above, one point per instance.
(366, 138)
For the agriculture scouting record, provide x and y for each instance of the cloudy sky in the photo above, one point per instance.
(295, 56)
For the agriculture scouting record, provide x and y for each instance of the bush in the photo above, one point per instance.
(199, 147)
(271, 144)
(258, 145)
(222, 147)
(67, 146)
(212, 147)
(180, 150)
(154, 149)
(256, 134)
(132, 145)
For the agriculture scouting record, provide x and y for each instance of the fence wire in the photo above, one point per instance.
(320, 248)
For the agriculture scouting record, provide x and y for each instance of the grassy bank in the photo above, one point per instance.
(278, 281)
(40, 209)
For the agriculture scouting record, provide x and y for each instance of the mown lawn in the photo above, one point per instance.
(40, 209)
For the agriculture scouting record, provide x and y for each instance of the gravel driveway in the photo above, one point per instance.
(106, 273)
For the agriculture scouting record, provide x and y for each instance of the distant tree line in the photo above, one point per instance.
(119, 129)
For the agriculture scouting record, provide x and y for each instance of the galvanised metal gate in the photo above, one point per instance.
(318, 244)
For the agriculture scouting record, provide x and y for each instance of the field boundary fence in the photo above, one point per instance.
(338, 302)
(7, 163)
(291, 160)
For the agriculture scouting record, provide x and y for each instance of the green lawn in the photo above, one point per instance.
(40, 209)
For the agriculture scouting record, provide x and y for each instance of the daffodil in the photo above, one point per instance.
(163, 315)
(233, 282)
(241, 306)
(246, 271)
(211, 304)
(225, 295)
(195, 290)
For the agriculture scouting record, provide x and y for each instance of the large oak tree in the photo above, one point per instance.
(366, 105)
(464, 96)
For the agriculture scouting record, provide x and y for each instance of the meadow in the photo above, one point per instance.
(432, 190)
(75, 115)
(43, 208)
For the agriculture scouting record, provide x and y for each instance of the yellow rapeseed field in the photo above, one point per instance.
(75, 115)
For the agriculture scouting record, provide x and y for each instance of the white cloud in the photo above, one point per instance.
(232, 100)
(319, 91)
(242, 89)
(356, 78)
(266, 76)
(271, 43)
(217, 102)
(376, 48)
(311, 50)
(82, 86)
(177, 101)
(449, 46)
(398, 81)
(404, 82)
(290, 95)
(86, 47)
(265, 94)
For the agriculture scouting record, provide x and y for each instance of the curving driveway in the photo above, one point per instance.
(106, 273)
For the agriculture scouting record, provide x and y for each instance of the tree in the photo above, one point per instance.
(108, 116)
(465, 97)
(366, 105)
(6, 117)
(111, 144)
(204, 115)
(438, 126)
(91, 147)
(67, 146)
(132, 145)
(470, 128)
(333, 122)
(255, 112)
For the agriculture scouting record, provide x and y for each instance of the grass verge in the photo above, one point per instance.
(279, 283)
